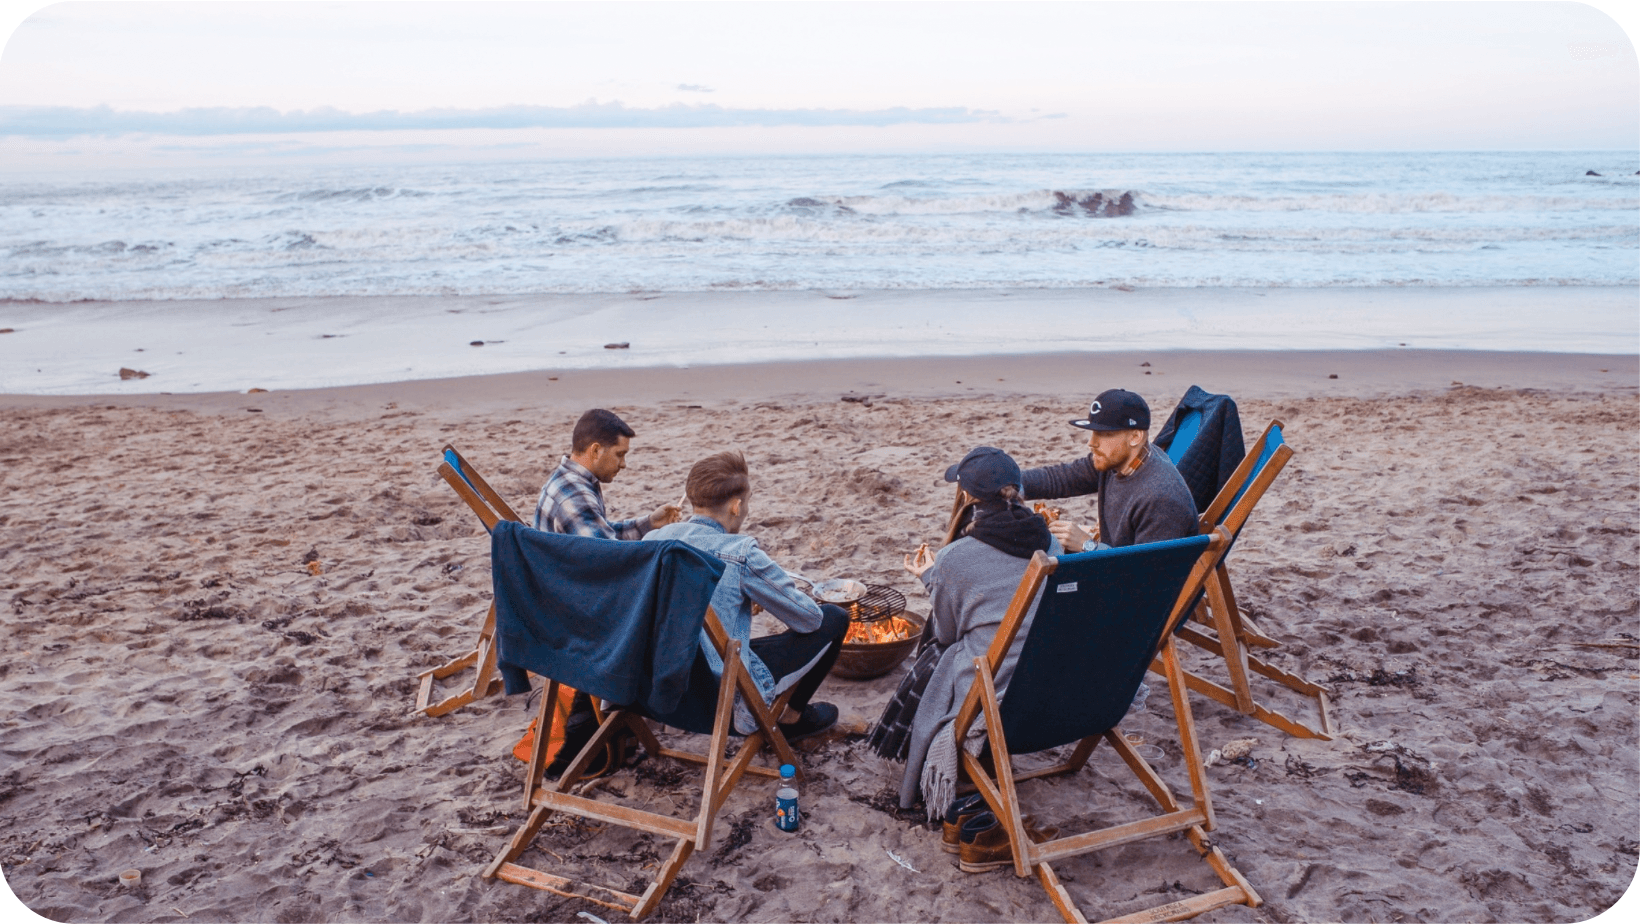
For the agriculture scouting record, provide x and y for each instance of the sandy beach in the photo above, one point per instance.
(1453, 551)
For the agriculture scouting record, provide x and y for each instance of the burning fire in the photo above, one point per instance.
(892, 629)
(1048, 513)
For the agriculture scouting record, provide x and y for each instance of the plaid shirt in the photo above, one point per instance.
(572, 503)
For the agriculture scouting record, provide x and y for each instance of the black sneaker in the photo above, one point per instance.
(816, 718)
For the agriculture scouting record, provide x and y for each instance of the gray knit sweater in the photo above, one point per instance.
(1151, 505)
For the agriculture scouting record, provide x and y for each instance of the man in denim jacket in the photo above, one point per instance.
(720, 490)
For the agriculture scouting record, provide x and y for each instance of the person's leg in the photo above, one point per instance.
(790, 652)
(579, 727)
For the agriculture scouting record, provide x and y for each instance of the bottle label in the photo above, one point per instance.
(787, 816)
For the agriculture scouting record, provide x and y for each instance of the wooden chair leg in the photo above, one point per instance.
(1228, 697)
(520, 841)
(1187, 731)
(1009, 814)
(1235, 656)
(720, 742)
(663, 880)
(1269, 717)
(486, 682)
(1056, 893)
(1079, 757)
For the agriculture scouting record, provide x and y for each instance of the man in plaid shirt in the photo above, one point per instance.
(572, 501)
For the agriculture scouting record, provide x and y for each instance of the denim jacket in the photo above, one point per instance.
(751, 577)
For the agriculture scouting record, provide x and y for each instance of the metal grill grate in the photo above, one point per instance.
(878, 603)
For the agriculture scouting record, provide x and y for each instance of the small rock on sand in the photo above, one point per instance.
(7, 330)
(618, 346)
(256, 391)
(476, 343)
(132, 373)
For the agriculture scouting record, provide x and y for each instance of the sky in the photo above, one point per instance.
(136, 83)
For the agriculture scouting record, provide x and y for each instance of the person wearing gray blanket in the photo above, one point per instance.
(970, 583)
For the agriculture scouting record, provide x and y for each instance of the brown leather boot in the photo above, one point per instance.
(960, 811)
(985, 844)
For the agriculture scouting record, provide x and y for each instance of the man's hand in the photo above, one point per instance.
(1074, 538)
(669, 513)
(921, 561)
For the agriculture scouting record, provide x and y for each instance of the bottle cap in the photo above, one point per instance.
(787, 772)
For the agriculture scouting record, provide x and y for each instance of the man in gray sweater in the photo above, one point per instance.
(1142, 497)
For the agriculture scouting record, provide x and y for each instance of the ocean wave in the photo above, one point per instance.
(316, 288)
(1384, 203)
(356, 194)
(1063, 201)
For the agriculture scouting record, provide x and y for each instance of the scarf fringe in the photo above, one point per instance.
(939, 776)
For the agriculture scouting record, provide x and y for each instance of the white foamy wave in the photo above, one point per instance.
(1036, 200)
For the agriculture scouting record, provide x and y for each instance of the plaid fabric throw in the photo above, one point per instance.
(891, 738)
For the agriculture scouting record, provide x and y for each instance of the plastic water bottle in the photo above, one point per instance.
(787, 816)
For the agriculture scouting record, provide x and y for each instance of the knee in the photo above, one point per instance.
(833, 620)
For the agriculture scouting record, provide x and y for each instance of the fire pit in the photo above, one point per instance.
(880, 634)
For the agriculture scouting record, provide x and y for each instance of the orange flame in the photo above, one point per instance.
(893, 629)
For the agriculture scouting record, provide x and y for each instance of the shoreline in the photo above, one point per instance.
(306, 343)
(1246, 374)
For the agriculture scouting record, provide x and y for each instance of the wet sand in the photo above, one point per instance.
(1453, 551)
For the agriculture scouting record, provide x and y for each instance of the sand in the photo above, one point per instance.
(1458, 562)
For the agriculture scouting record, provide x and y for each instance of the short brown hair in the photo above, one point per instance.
(716, 480)
(598, 426)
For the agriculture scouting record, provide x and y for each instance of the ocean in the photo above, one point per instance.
(563, 256)
(835, 222)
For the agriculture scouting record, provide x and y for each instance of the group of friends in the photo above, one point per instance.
(1141, 498)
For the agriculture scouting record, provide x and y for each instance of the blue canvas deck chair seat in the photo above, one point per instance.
(1218, 624)
(491, 509)
(1103, 616)
(562, 639)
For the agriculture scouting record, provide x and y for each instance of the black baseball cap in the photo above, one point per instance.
(1116, 409)
(984, 472)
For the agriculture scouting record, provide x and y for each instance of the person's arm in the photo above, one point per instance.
(1068, 479)
(1159, 518)
(579, 512)
(944, 609)
(632, 529)
(773, 589)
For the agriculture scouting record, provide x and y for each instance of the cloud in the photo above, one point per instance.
(65, 121)
(695, 88)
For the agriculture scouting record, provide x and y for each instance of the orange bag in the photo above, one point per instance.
(555, 735)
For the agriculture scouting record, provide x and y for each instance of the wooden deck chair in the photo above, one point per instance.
(1233, 633)
(712, 716)
(491, 509)
(1103, 616)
